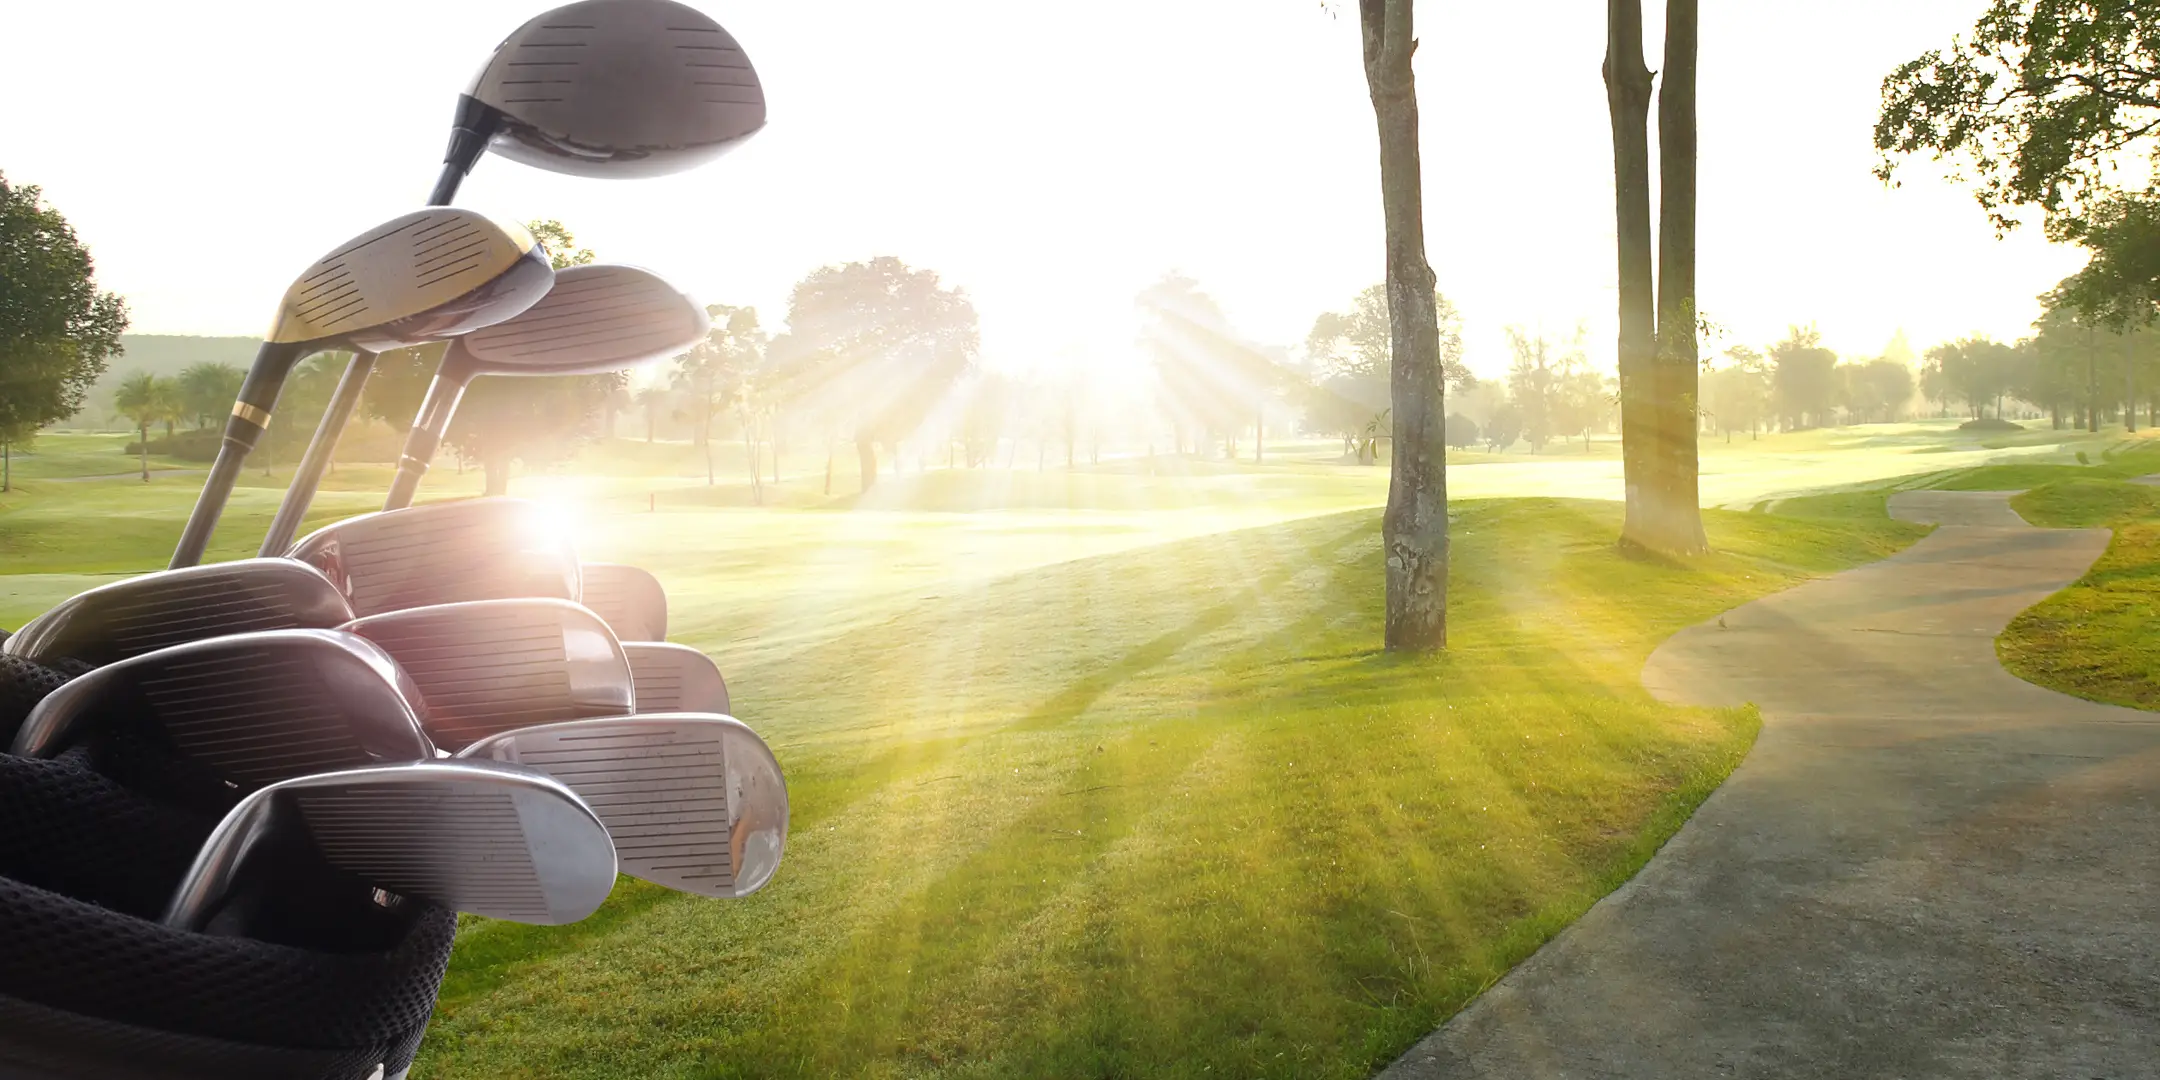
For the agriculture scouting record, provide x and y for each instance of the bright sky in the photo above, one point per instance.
(1051, 159)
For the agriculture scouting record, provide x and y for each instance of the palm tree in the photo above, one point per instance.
(147, 399)
(207, 389)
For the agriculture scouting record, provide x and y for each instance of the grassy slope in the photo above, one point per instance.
(2099, 638)
(1163, 813)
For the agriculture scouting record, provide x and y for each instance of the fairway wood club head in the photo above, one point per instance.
(424, 276)
(492, 665)
(597, 318)
(474, 549)
(483, 837)
(694, 802)
(608, 88)
(170, 607)
(630, 599)
(252, 708)
(673, 678)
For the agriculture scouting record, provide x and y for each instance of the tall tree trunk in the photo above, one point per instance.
(866, 454)
(1671, 518)
(498, 474)
(1413, 531)
(2092, 384)
(7, 466)
(2130, 394)
(828, 465)
(142, 449)
(1627, 99)
(749, 441)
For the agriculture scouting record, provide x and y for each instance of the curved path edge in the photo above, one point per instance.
(1926, 867)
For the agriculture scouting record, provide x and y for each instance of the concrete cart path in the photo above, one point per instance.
(1926, 867)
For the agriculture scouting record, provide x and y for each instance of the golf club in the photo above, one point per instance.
(476, 549)
(478, 836)
(253, 708)
(423, 276)
(629, 598)
(694, 802)
(492, 665)
(603, 88)
(169, 607)
(675, 678)
(595, 319)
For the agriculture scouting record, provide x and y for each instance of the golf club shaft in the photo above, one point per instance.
(203, 520)
(427, 432)
(250, 417)
(308, 476)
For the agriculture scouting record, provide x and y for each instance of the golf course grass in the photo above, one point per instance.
(2100, 638)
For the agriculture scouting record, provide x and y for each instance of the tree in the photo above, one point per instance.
(1669, 515)
(1211, 379)
(1353, 354)
(1976, 371)
(720, 375)
(1875, 391)
(146, 399)
(1462, 432)
(2037, 107)
(1503, 427)
(1534, 382)
(57, 331)
(1736, 396)
(1413, 530)
(208, 389)
(1803, 380)
(652, 401)
(876, 346)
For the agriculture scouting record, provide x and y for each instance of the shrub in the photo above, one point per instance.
(1990, 423)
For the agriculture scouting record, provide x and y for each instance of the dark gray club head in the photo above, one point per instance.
(476, 549)
(171, 607)
(483, 837)
(673, 678)
(492, 665)
(695, 802)
(630, 599)
(609, 88)
(253, 708)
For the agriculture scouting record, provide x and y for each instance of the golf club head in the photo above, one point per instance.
(170, 607)
(483, 837)
(673, 678)
(254, 708)
(419, 277)
(492, 665)
(596, 319)
(474, 549)
(695, 802)
(608, 88)
(630, 599)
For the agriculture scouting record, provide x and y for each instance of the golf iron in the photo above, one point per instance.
(170, 607)
(475, 549)
(674, 678)
(629, 598)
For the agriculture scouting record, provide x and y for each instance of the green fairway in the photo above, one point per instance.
(2099, 638)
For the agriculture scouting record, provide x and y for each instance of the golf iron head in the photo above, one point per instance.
(673, 678)
(629, 598)
(424, 276)
(170, 607)
(482, 837)
(595, 319)
(254, 708)
(491, 665)
(607, 88)
(694, 802)
(474, 549)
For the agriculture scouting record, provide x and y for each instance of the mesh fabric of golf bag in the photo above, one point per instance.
(303, 976)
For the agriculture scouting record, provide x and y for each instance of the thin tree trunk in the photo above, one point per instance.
(866, 455)
(7, 466)
(2130, 394)
(1414, 537)
(143, 449)
(1627, 99)
(749, 440)
(1674, 505)
(828, 466)
(2092, 384)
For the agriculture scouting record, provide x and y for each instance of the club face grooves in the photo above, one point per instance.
(172, 607)
(483, 549)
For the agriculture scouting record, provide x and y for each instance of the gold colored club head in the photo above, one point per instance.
(423, 276)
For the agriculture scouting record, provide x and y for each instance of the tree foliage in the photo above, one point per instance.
(208, 389)
(1803, 380)
(2038, 105)
(57, 330)
(1351, 357)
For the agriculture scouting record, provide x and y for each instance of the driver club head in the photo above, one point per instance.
(423, 276)
(253, 708)
(608, 88)
(695, 802)
(170, 607)
(673, 678)
(483, 837)
(447, 552)
(630, 599)
(492, 665)
(596, 318)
